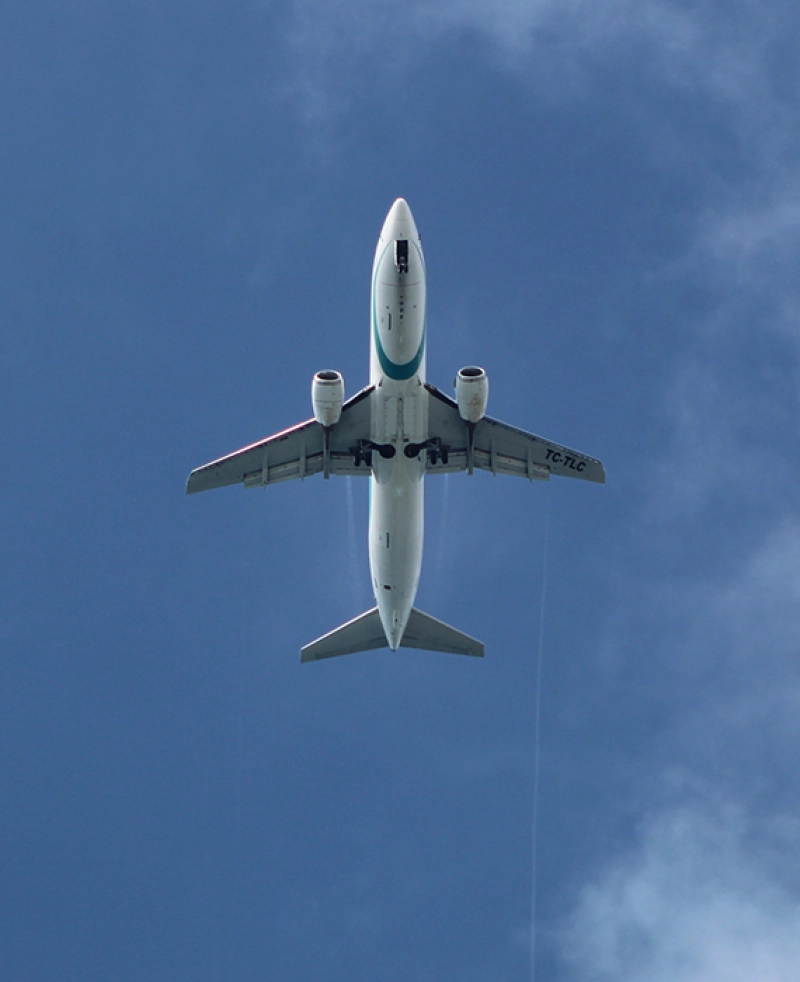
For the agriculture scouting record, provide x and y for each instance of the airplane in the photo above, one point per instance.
(396, 430)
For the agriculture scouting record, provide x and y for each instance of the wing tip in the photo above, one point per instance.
(193, 482)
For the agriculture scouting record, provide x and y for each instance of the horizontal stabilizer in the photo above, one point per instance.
(365, 633)
(430, 634)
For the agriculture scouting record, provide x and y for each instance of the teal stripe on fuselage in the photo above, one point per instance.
(394, 371)
(391, 369)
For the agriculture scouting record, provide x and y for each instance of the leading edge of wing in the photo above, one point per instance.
(296, 452)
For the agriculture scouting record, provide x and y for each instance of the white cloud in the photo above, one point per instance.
(702, 897)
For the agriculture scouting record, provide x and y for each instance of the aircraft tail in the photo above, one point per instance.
(365, 633)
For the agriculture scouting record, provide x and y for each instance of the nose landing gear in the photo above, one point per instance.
(401, 255)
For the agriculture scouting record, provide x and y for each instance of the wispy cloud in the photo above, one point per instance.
(731, 396)
(754, 243)
(701, 897)
(742, 638)
(724, 50)
(710, 89)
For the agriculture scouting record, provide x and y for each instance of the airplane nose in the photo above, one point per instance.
(400, 212)
(399, 222)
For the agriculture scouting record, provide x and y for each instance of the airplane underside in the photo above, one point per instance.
(396, 431)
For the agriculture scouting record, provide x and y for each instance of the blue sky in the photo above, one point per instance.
(609, 199)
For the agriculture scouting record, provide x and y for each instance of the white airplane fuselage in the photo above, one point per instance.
(399, 419)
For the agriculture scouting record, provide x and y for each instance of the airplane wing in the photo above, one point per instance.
(297, 452)
(498, 447)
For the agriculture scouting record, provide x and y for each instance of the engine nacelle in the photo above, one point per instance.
(472, 393)
(327, 397)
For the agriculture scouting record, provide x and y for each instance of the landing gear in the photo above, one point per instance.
(439, 451)
(364, 449)
(435, 448)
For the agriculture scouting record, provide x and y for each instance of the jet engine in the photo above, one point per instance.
(327, 397)
(472, 393)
